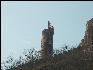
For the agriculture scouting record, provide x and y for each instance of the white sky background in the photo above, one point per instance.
(22, 24)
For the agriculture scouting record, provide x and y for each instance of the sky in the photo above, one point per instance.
(22, 23)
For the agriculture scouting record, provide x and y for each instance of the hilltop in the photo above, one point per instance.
(80, 58)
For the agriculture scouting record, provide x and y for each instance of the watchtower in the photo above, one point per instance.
(47, 42)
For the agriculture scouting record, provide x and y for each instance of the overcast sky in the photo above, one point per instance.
(22, 24)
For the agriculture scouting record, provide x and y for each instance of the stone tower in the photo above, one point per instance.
(88, 38)
(47, 42)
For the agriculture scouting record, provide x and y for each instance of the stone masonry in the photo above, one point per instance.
(88, 38)
(47, 42)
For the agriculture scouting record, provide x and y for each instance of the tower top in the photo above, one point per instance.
(49, 26)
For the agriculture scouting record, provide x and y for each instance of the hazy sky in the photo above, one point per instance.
(22, 24)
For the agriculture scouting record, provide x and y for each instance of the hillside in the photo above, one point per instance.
(80, 58)
(73, 59)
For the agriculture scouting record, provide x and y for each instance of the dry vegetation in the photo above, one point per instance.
(63, 59)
